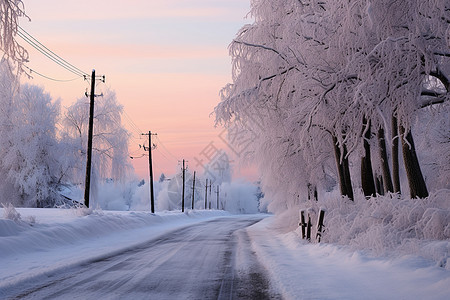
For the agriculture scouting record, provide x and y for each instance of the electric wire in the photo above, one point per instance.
(135, 152)
(165, 148)
(138, 130)
(163, 155)
(135, 131)
(50, 54)
(48, 77)
(135, 134)
(71, 68)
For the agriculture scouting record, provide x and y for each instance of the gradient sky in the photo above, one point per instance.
(166, 61)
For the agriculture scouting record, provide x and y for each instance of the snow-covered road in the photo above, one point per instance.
(207, 260)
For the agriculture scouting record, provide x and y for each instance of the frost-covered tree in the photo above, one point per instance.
(9, 88)
(314, 81)
(29, 147)
(32, 159)
(10, 11)
(394, 48)
(281, 98)
(110, 139)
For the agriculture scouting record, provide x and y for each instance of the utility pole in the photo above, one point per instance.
(210, 186)
(150, 166)
(193, 192)
(87, 185)
(206, 194)
(182, 194)
(217, 197)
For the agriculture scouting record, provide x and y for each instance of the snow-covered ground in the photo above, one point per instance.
(46, 240)
(325, 271)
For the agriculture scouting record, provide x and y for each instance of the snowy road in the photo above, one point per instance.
(209, 260)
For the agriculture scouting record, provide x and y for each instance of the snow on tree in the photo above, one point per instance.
(314, 81)
(394, 49)
(10, 11)
(29, 147)
(110, 139)
(8, 91)
(323, 95)
(278, 71)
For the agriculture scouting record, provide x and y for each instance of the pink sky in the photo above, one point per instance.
(166, 60)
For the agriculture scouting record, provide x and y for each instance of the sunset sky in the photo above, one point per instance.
(166, 61)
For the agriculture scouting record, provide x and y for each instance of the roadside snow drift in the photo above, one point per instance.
(43, 240)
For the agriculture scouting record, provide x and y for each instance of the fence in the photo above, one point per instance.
(306, 225)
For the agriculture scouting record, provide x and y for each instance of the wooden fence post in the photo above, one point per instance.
(308, 228)
(320, 225)
(302, 223)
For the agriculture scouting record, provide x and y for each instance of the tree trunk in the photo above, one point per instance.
(367, 181)
(379, 184)
(395, 164)
(347, 177)
(340, 169)
(417, 185)
(386, 173)
(343, 170)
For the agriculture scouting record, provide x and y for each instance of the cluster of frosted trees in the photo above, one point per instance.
(330, 93)
(41, 150)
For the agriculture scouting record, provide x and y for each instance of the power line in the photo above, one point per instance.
(165, 148)
(135, 151)
(72, 67)
(163, 155)
(48, 77)
(135, 127)
(69, 67)
(135, 132)
(50, 54)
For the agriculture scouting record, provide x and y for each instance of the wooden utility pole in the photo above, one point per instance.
(87, 185)
(206, 194)
(217, 197)
(150, 166)
(182, 193)
(193, 191)
(210, 187)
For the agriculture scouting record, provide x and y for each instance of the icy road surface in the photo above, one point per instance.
(209, 260)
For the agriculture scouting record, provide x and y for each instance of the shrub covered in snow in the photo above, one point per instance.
(10, 213)
(385, 224)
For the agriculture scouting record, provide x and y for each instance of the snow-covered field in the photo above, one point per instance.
(46, 240)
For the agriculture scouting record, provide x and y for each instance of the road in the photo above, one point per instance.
(209, 260)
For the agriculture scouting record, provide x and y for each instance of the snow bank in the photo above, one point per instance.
(387, 225)
(301, 270)
(59, 238)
